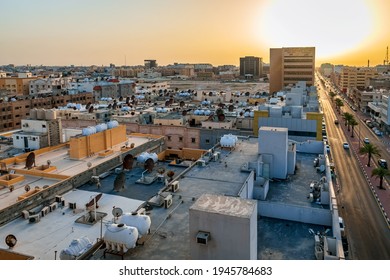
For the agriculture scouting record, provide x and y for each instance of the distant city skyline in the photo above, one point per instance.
(98, 32)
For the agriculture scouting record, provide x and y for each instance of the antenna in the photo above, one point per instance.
(386, 61)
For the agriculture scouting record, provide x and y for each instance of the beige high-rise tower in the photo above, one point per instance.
(290, 65)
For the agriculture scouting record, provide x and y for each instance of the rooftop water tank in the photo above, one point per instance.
(76, 248)
(112, 124)
(141, 222)
(33, 113)
(101, 127)
(196, 112)
(51, 114)
(207, 112)
(41, 114)
(145, 155)
(228, 141)
(120, 237)
(88, 131)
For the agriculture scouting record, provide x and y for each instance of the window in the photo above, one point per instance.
(17, 137)
(43, 126)
(193, 140)
(169, 138)
(207, 141)
(181, 139)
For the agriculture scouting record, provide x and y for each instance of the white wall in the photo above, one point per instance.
(274, 141)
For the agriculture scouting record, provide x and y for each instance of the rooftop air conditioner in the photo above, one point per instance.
(58, 198)
(72, 205)
(175, 186)
(34, 219)
(202, 237)
(53, 206)
(168, 201)
(25, 214)
(45, 210)
(201, 162)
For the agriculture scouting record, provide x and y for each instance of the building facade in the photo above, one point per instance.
(251, 67)
(291, 65)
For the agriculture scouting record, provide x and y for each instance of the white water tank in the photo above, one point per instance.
(120, 237)
(88, 131)
(51, 114)
(196, 112)
(33, 113)
(145, 155)
(101, 127)
(228, 141)
(76, 248)
(112, 124)
(141, 222)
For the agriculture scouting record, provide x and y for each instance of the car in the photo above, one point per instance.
(342, 226)
(346, 145)
(327, 147)
(378, 132)
(382, 163)
(336, 121)
(366, 140)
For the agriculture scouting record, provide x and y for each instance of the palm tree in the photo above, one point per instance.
(347, 118)
(380, 173)
(339, 103)
(332, 95)
(369, 149)
(353, 123)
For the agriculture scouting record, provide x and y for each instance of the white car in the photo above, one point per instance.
(342, 227)
(346, 145)
(366, 140)
(327, 148)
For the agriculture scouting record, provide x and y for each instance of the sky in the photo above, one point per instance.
(126, 32)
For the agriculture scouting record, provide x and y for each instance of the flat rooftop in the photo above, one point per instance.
(169, 232)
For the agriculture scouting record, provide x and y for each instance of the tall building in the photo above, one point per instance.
(251, 67)
(291, 65)
(150, 63)
(355, 77)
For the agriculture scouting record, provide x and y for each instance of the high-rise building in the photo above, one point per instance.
(251, 67)
(150, 63)
(291, 65)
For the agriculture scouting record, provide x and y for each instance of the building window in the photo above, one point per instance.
(169, 138)
(181, 139)
(207, 141)
(43, 126)
(193, 140)
(17, 137)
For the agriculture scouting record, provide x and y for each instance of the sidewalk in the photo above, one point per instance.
(382, 196)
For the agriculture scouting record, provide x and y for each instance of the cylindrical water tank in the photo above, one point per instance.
(120, 237)
(141, 222)
(196, 112)
(112, 124)
(50, 114)
(201, 112)
(145, 155)
(207, 112)
(33, 113)
(76, 248)
(246, 114)
(252, 114)
(88, 130)
(41, 114)
(228, 140)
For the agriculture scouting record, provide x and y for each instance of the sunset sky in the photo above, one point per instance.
(100, 32)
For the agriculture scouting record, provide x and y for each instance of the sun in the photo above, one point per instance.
(334, 27)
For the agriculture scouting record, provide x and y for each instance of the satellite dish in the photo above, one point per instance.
(10, 240)
(89, 164)
(27, 188)
(117, 212)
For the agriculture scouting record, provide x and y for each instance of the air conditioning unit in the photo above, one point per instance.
(202, 237)
(168, 201)
(201, 162)
(72, 205)
(58, 198)
(25, 214)
(53, 206)
(45, 210)
(216, 156)
(175, 186)
(34, 219)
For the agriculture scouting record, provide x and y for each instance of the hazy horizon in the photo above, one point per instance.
(100, 32)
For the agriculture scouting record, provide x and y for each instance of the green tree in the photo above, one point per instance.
(353, 123)
(332, 95)
(380, 173)
(347, 118)
(370, 150)
(339, 103)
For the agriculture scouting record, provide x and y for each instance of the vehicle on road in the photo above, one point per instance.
(336, 121)
(346, 145)
(382, 163)
(366, 140)
(327, 147)
(342, 226)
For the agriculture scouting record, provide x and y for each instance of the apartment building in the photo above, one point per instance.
(12, 113)
(355, 77)
(291, 65)
(18, 85)
(251, 67)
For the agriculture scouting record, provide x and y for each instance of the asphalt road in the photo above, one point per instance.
(367, 231)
